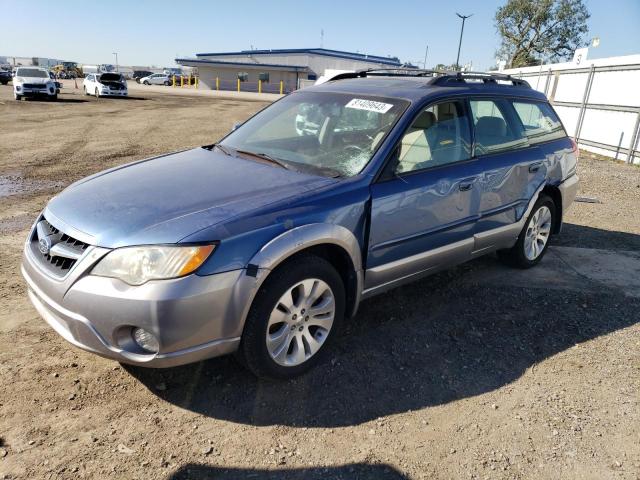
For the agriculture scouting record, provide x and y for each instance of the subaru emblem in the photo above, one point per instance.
(44, 245)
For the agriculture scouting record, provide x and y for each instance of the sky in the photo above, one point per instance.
(156, 32)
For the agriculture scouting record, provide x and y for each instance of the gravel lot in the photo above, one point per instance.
(477, 372)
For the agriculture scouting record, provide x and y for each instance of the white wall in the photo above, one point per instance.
(612, 106)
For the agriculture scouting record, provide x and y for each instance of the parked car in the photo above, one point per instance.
(138, 74)
(264, 243)
(33, 82)
(5, 77)
(105, 85)
(156, 79)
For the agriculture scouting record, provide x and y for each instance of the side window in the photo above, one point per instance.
(494, 130)
(540, 122)
(438, 136)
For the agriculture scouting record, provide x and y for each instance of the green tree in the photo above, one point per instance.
(534, 30)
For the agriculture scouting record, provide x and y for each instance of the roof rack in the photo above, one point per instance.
(439, 77)
(485, 77)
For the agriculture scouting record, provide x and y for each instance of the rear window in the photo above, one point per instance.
(540, 122)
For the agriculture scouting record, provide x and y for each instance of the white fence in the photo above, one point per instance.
(599, 104)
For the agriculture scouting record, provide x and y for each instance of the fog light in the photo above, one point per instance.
(145, 340)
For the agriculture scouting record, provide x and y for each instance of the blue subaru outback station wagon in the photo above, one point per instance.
(264, 243)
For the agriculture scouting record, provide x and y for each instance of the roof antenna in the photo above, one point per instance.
(321, 37)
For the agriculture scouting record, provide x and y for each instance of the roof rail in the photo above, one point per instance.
(386, 72)
(485, 77)
(440, 77)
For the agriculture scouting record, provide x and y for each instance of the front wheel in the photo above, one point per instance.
(17, 97)
(167, 83)
(533, 240)
(146, 82)
(293, 318)
(97, 93)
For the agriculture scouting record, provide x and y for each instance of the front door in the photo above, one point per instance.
(423, 214)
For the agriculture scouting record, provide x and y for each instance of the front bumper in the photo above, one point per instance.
(192, 317)
(35, 92)
(113, 93)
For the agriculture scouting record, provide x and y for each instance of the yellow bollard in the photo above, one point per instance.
(259, 86)
(189, 80)
(196, 79)
(238, 85)
(173, 81)
(217, 83)
(281, 87)
(181, 81)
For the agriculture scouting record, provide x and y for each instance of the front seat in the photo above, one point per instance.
(415, 148)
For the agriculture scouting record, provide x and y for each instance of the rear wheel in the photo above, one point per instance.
(293, 318)
(533, 240)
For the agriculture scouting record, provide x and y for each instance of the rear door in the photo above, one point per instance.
(512, 170)
(423, 212)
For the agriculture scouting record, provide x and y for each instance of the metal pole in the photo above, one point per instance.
(425, 57)
(116, 54)
(463, 17)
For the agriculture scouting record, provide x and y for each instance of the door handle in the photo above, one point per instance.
(534, 167)
(464, 186)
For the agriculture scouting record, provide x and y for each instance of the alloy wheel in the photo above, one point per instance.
(537, 234)
(300, 322)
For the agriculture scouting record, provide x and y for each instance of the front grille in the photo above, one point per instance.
(63, 253)
(35, 85)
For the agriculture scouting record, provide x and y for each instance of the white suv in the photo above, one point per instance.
(33, 82)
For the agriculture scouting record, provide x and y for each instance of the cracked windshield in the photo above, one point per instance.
(320, 133)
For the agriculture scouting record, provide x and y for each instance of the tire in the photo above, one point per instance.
(84, 89)
(53, 97)
(167, 83)
(17, 97)
(97, 93)
(533, 240)
(305, 336)
(146, 82)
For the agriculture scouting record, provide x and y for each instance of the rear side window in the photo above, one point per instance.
(495, 129)
(540, 122)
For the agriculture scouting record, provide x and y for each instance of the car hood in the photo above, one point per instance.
(167, 198)
(36, 80)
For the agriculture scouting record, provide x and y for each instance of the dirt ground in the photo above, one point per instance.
(478, 372)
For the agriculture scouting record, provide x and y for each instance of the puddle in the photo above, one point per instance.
(16, 185)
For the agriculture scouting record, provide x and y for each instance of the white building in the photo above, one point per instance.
(292, 67)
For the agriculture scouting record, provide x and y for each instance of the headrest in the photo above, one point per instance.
(425, 120)
(491, 126)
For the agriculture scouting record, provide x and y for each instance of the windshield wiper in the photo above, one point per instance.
(267, 157)
(222, 148)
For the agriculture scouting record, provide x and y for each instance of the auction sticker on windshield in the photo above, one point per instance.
(369, 105)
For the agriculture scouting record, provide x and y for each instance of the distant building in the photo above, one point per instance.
(292, 67)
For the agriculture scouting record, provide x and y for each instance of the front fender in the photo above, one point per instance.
(284, 246)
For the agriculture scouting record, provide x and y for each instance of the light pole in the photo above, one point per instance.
(116, 54)
(463, 17)
(426, 52)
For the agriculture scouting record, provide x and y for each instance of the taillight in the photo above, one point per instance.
(574, 148)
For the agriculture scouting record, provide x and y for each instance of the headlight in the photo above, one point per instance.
(137, 265)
